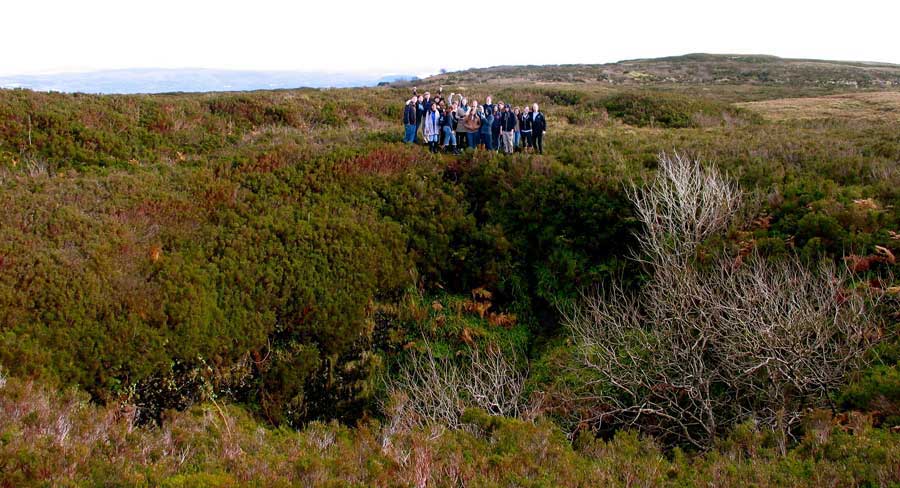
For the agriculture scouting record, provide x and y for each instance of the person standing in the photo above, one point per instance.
(507, 128)
(517, 112)
(538, 128)
(447, 119)
(462, 133)
(420, 112)
(487, 125)
(486, 135)
(473, 125)
(525, 128)
(488, 106)
(409, 121)
(426, 102)
(432, 127)
(495, 126)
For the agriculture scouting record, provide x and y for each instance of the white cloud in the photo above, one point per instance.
(404, 36)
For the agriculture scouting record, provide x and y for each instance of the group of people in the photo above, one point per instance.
(455, 122)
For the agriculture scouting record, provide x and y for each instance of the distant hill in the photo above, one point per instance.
(691, 69)
(189, 80)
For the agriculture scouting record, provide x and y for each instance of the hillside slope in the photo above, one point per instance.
(699, 69)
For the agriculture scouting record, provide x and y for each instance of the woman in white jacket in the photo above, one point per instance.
(431, 126)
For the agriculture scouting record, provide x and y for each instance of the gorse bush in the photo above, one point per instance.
(668, 110)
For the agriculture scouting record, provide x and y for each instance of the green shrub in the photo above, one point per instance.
(664, 110)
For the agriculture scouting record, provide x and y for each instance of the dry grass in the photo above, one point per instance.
(50, 438)
(883, 106)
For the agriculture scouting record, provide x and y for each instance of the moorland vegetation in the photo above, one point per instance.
(269, 288)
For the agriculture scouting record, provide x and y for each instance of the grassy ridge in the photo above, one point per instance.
(807, 75)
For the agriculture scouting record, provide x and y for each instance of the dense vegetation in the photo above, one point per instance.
(222, 267)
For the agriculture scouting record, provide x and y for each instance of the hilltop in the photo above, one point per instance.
(697, 69)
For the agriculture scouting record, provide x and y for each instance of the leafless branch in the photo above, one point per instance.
(701, 348)
(436, 391)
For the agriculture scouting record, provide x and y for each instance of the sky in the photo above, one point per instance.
(404, 37)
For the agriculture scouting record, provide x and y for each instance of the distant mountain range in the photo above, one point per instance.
(191, 80)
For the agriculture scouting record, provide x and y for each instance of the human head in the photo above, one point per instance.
(420, 98)
(454, 105)
(500, 105)
(488, 101)
(516, 110)
(534, 108)
(464, 102)
(427, 95)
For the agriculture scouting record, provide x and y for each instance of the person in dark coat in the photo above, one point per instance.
(538, 128)
(525, 127)
(485, 137)
(448, 121)
(508, 125)
(420, 112)
(409, 121)
(495, 127)
(487, 124)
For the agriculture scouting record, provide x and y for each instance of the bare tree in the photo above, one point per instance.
(648, 374)
(686, 204)
(429, 390)
(787, 336)
(701, 348)
(495, 384)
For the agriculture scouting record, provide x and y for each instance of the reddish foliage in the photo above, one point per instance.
(466, 336)
(155, 253)
(478, 308)
(156, 211)
(764, 222)
(272, 160)
(885, 254)
(861, 264)
(502, 319)
(218, 196)
(380, 161)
